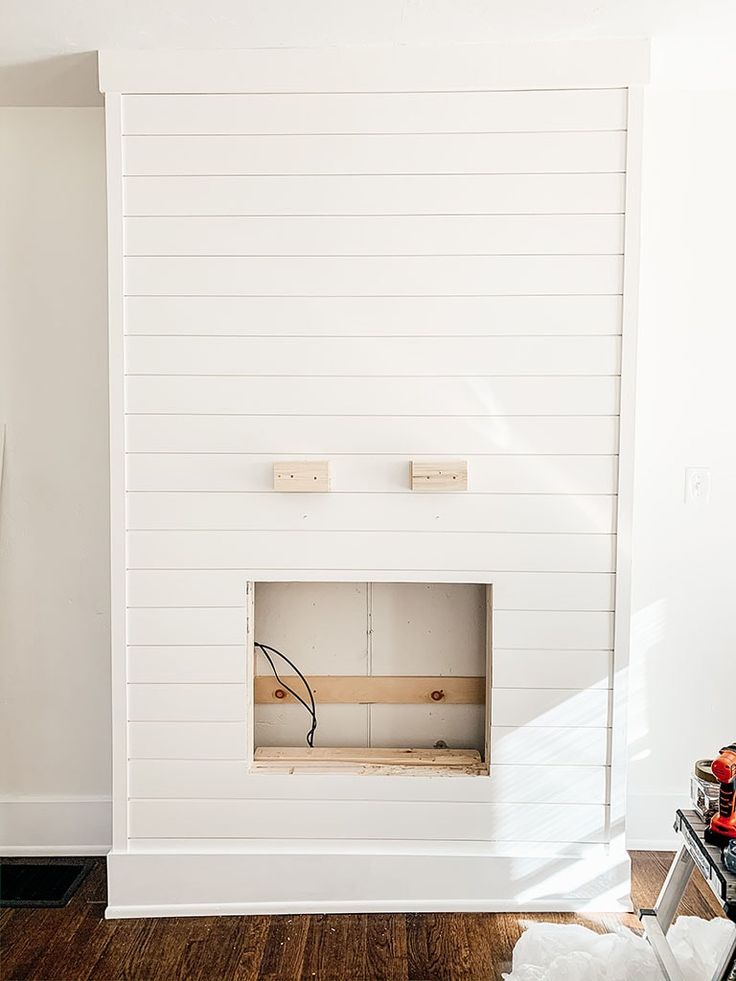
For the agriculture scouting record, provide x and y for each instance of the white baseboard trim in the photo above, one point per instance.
(650, 819)
(385, 906)
(273, 882)
(40, 826)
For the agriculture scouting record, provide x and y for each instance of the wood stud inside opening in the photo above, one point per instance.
(374, 689)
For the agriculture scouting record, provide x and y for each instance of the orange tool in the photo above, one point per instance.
(723, 824)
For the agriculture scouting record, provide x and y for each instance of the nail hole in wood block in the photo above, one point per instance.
(302, 476)
(439, 475)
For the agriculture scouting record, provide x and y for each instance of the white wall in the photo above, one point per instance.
(54, 583)
(684, 632)
(53, 517)
(48, 51)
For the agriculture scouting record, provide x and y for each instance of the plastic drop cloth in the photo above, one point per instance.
(561, 952)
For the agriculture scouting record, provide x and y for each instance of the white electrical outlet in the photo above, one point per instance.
(697, 485)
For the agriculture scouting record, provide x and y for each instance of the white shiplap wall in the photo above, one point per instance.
(283, 255)
(371, 277)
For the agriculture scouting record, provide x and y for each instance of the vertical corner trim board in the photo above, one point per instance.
(414, 267)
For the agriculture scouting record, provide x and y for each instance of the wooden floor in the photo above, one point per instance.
(76, 943)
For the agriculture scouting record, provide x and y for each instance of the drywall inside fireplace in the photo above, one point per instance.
(367, 628)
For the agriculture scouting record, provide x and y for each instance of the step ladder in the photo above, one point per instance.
(694, 852)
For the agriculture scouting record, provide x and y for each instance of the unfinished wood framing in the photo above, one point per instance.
(489, 673)
(370, 760)
(308, 476)
(366, 690)
(250, 660)
(430, 690)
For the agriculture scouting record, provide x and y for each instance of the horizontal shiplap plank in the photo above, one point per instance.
(443, 194)
(376, 235)
(594, 514)
(403, 820)
(187, 702)
(226, 625)
(521, 474)
(364, 550)
(550, 708)
(377, 316)
(225, 587)
(298, 395)
(189, 664)
(383, 113)
(229, 779)
(550, 629)
(551, 669)
(371, 112)
(388, 356)
(380, 153)
(201, 626)
(471, 849)
(458, 436)
(511, 745)
(553, 591)
(372, 275)
(187, 740)
(549, 746)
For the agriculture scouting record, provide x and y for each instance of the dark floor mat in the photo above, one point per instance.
(37, 884)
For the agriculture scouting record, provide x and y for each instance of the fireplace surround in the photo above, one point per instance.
(383, 266)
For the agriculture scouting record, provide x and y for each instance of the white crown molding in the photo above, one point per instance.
(379, 68)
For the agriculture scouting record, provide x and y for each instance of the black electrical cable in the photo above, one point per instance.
(265, 648)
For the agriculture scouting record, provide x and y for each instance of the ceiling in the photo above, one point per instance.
(47, 47)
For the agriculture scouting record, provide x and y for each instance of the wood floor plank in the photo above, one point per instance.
(28, 935)
(386, 952)
(160, 954)
(488, 945)
(284, 953)
(125, 937)
(438, 947)
(335, 948)
(85, 915)
(233, 950)
(72, 955)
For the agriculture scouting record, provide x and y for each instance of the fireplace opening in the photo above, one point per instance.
(370, 677)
